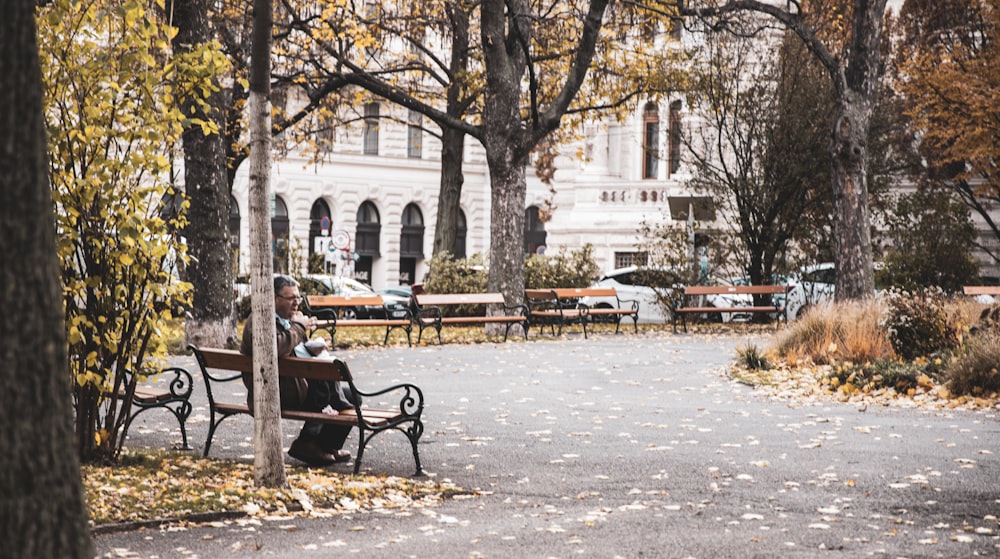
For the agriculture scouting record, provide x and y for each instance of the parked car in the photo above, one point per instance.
(323, 284)
(241, 287)
(651, 287)
(398, 291)
(814, 285)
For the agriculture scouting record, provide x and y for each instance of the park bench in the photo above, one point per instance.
(333, 312)
(692, 301)
(981, 290)
(611, 308)
(561, 307)
(434, 310)
(221, 366)
(175, 398)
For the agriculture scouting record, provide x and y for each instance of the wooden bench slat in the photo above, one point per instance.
(981, 289)
(431, 299)
(321, 301)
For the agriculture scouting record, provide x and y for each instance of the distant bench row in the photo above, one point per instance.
(545, 307)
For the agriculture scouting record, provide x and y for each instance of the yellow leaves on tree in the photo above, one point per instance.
(108, 77)
(952, 67)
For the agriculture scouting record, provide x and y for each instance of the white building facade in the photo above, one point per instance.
(376, 195)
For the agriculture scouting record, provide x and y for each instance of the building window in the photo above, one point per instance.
(415, 135)
(234, 231)
(279, 235)
(366, 237)
(369, 135)
(412, 240)
(650, 140)
(626, 259)
(319, 228)
(534, 232)
(675, 137)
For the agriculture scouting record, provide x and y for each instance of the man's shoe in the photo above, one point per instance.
(341, 455)
(311, 453)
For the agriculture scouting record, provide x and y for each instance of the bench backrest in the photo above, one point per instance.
(736, 289)
(981, 289)
(333, 369)
(321, 301)
(440, 299)
(569, 293)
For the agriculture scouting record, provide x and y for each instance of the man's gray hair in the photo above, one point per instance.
(282, 281)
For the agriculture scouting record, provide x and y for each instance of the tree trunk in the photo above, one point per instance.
(856, 87)
(450, 195)
(269, 466)
(42, 509)
(453, 139)
(851, 217)
(508, 187)
(212, 321)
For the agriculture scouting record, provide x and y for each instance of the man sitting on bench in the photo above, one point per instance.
(318, 444)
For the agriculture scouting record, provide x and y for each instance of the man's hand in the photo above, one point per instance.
(308, 321)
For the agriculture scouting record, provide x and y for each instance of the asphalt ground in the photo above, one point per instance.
(627, 446)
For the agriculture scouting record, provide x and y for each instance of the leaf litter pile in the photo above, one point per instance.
(155, 486)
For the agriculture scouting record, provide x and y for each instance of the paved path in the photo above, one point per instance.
(631, 446)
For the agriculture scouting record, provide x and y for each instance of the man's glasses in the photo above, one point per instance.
(295, 298)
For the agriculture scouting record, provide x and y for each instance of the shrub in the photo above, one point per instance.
(975, 371)
(446, 274)
(929, 242)
(917, 324)
(753, 358)
(573, 269)
(846, 331)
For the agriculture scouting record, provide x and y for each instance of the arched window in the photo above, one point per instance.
(366, 237)
(234, 223)
(366, 241)
(319, 216)
(411, 243)
(461, 230)
(650, 140)
(534, 230)
(279, 234)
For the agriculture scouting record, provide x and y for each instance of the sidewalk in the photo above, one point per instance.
(627, 446)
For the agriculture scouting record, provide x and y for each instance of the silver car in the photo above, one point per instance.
(653, 288)
(324, 284)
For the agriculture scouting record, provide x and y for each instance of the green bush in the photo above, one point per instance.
(917, 324)
(929, 240)
(753, 358)
(573, 269)
(446, 274)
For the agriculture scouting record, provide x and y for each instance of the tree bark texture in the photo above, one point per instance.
(453, 139)
(42, 509)
(450, 192)
(856, 87)
(212, 321)
(269, 466)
